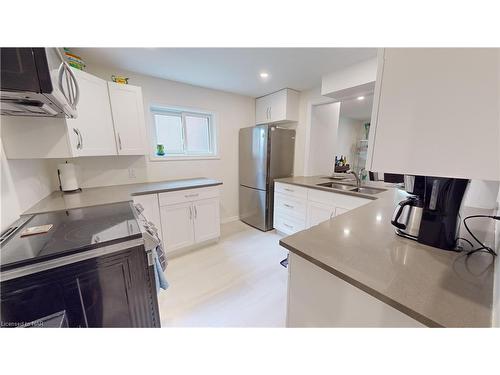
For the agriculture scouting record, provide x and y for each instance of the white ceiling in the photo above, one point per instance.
(357, 109)
(231, 69)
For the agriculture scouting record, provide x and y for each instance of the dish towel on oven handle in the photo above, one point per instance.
(160, 265)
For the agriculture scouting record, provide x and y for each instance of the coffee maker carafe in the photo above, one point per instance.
(407, 217)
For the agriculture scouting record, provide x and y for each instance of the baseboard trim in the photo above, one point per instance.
(229, 219)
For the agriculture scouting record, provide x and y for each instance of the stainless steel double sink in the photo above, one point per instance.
(351, 188)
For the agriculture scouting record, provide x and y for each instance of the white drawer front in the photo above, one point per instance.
(286, 224)
(291, 206)
(349, 202)
(341, 200)
(321, 196)
(292, 190)
(189, 195)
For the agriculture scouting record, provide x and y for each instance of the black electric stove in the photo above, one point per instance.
(72, 231)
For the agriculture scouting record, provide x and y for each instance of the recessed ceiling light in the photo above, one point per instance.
(360, 97)
(264, 75)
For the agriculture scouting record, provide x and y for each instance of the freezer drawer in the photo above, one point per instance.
(255, 208)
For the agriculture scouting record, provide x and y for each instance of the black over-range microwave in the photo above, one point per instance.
(36, 82)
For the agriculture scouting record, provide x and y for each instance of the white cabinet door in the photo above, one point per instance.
(151, 210)
(177, 226)
(206, 219)
(277, 104)
(91, 133)
(280, 106)
(128, 118)
(318, 212)
(262, 110)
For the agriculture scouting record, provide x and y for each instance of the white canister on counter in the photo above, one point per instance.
(68, 179)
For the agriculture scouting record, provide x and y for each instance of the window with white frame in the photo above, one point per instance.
(183, 133)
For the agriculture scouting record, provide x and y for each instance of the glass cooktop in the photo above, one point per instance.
(72, 231)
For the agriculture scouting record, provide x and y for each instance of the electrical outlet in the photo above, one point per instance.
(131, 173)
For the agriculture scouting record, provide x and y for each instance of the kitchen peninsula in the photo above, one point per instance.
(353, 271)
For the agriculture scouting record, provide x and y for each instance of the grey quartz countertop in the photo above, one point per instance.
(436, 287)
(96, 196)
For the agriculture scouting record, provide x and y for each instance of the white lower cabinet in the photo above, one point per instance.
(206, 219)
(297, 208)
(189, 217)
(177, 226)
(317, 298)
(319, 212)
(288, 225)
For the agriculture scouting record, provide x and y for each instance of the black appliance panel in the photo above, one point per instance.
(440, 217)
(115, 290)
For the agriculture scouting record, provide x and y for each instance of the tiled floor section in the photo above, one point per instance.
(237, 282)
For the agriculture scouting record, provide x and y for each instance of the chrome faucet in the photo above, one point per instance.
(358, 180)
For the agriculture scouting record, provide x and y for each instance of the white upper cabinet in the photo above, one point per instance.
(436, 112)
(110, 121)
(128, 118)
(91, 133)
(281, 106)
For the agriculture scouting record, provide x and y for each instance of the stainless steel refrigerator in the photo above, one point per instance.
(266, 153)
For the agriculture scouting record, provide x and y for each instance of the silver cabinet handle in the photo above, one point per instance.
(190, 214)
(288, 225)
(81, 139)
(79, 144)
(290, 190)
(191, 195)
(287, 205)
(270, 113)
(119, 140)
(195, 212)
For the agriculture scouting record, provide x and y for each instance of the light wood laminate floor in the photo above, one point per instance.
(237, 282)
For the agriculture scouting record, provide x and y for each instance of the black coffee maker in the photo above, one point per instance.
(441, 199)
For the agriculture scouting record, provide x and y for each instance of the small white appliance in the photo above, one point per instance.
(68, 179)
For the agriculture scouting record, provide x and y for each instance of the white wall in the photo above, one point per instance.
(323, 138)
(232, 112)
(23, 183)
(355, 80)
(308, 98)
(348, 134)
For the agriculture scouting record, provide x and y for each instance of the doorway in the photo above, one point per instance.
(339, 130)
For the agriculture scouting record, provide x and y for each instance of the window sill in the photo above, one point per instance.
(155, 158)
